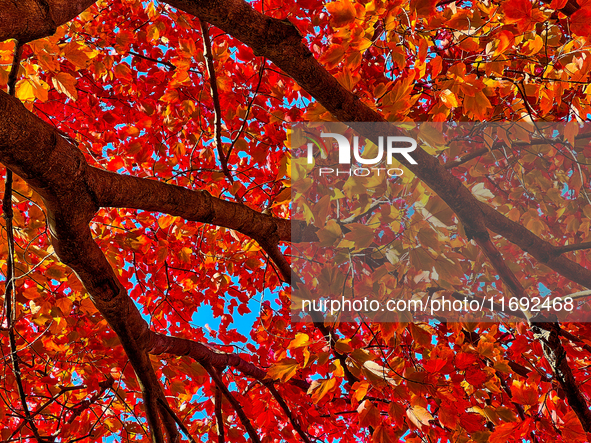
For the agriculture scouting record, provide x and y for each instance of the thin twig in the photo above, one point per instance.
(219, 416)
(62, 391)
(9, 286)
(241, 130)
(217, 122)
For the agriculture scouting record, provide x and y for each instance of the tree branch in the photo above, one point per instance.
(285, 408)
(156, 344)
(177, 419)
(549, 335)
(9, 284)
(125, 191)
(213, 372)
(570, 248)
(27, 20)
(217, 122)
(219, 416)
(80, 407)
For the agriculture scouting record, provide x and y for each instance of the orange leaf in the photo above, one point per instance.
(558, 4)
(522, 14)
(283, 370)
(579, 22)
(524, 394)
(320, 389)
(424, 8)
(368, 414)
(503, 433)
(419, 416)
(299, 341)
(505, 39)
(66, 84)
(341, 13)
(449, 99)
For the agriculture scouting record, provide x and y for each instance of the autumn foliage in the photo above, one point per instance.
(148, 282)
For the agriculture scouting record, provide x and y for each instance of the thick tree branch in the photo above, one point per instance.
(156, 344)
(83, 405)
(281, 42)
(125, 191)
(58, 172)
(73, 191)
(169, 419)
(549, 335)
(27, 20)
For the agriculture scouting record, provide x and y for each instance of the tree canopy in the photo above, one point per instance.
(147, 241)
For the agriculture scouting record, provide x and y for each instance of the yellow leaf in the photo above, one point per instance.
(24, 91)
(337, 369)
(283, 196)
(152, 12)
(299, 341)
(481, 193)
(532, 47)
(329, 235)
(360, 234)
(75, 54)
(332, 57)
(153, 33)
(66, 84)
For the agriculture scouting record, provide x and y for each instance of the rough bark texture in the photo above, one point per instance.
(27, 20)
